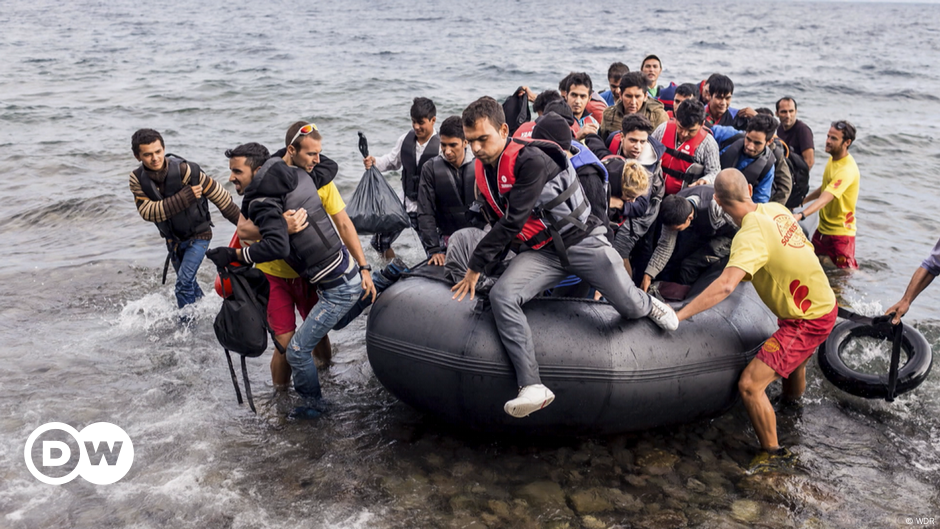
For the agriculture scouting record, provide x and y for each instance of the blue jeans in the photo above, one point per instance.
(334, 303)
(186, 258)
(381, 283)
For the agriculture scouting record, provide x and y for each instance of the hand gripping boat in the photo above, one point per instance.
(608, 374)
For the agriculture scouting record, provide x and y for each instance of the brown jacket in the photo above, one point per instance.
(613, 116)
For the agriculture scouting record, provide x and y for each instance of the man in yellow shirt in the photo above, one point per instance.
(770, 251)
(287, 289)
(835, 200)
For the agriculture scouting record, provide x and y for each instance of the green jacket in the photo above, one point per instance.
(613, 116)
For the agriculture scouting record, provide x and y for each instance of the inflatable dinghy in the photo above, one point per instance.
(609, 375)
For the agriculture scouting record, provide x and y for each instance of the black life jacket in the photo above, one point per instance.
(191, 221)
(800, 173)
(703, 196)
(453, 189)
(317, 248)
(756, 170)
(410, 167)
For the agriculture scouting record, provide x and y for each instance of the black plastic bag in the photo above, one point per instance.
(516, 109)
(374, 206)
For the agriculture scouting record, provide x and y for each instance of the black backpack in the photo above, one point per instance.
(242, 324)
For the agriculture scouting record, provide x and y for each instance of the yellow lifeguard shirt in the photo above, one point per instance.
(778, 260)
(332, 204)
(841, 179)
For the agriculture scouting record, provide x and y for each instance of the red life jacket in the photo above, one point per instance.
(615, 142)
(566, 208)
(524, 132)
(678, 158)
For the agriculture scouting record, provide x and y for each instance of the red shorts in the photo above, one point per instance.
(286, 294)
(839, 248)
(795, 341)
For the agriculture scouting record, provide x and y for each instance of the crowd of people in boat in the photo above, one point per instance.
(629, 195)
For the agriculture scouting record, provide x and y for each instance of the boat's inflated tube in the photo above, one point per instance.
(608, 374)
(870, 386)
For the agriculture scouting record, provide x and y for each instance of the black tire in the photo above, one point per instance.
(911, 373)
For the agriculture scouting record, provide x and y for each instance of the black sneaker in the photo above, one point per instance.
(394, 269)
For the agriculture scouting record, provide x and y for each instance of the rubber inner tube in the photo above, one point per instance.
(870, 386)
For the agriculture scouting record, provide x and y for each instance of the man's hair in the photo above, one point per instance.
(632, 122)
(765, 111)
(687, 90)
(452, 128)
(545, 98)
(255, 154)
(635, 179)
(617, 70)
(690, 112)
(485, 107)
(786, 98)
(423, 108)
(720, 85)
(847, 129)
(674, 210)
(580, 79)
(565, 81)
(634, 79)
(762, 123)
(651, 57)
(292, 131)
(145, 137)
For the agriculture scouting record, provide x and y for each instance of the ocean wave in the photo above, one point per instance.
(64, 213)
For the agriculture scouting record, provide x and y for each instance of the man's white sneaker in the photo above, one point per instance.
(663, 315)
(531, 398)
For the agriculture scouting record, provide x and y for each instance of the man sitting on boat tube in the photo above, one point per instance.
(771, 251)
(543, 214)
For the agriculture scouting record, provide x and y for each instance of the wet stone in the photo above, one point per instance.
(462, 469)
(657, 462)
(676, 492)
(624, 502)
(489, 519)
(590, 522)
(662, 520)
(558, 524)
(476, 488)
(461, 502)
(695, 485)
(746, 511)
(542, 493)
(636, 481)
(434, 460)
(590, 501)
(499, 508)
(444, 484)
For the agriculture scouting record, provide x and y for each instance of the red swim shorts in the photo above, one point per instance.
(839, 248)
(795, 341)
(286, 294)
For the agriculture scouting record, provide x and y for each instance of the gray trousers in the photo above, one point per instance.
(459, 250)
(531, 272)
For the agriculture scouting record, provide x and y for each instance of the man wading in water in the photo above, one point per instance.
(771, 252)
(174, 194)
(517, 177)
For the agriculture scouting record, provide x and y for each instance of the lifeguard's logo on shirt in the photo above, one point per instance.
(849, 219)
(790, 233)
(800, 293)
(837, 183)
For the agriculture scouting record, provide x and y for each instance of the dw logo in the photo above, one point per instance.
(105, 453)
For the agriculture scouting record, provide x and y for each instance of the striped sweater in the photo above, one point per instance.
(161, 210)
